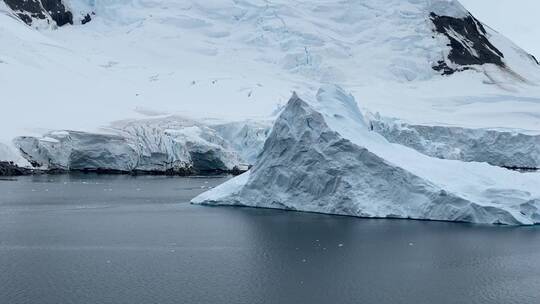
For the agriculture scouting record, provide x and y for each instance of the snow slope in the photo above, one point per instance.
(322, 157)
(242, 59)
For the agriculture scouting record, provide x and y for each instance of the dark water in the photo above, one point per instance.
(120, 239)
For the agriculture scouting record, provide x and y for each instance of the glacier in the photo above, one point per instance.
(244, 58)
(498, 147)
(246, 137)
(172, 145)
(321, 156)
(6, 153)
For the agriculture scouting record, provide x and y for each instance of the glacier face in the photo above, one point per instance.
(322, 157)
(186, 140)
(504, 148)
(246, 137)
(70, 150)
(172, 145)
(6, 154)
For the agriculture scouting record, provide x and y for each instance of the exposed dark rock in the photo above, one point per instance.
(522, 169)
(86, 19)
(469, 44)
(58, 11)
(443, 67)
(28, 10)
(534, 58)
(10, 169)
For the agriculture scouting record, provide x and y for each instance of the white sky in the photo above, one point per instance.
(518, 20)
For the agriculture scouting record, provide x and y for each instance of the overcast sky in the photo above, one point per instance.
(518, 20)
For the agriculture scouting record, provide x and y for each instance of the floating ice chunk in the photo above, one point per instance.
(322, 157)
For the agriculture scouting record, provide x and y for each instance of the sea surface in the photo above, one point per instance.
(124, 239)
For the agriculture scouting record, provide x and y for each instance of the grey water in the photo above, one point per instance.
(125, 239)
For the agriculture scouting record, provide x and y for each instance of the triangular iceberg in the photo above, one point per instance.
(321, 156)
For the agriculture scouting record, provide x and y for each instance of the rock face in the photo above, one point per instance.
(48, 11)
(469, 44)
(171, 146)
(507, 149)
(10, 169)
(321, 157)
(534, 59)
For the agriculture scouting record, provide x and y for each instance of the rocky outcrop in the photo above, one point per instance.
(87, 18)
(534, 59)
(10, 169)
(509, 149)
(468, 42)
(322, 157)
(49, 11)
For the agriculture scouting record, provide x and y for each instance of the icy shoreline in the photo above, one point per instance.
(170, 146)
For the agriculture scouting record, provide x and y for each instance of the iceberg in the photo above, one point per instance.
(321, 156)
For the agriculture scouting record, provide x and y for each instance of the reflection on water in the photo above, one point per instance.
(123, 239)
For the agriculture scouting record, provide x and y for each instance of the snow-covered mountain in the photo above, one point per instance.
(427, 74)
(237, 59)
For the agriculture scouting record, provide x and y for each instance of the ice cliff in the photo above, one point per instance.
(504, 148)
(172, 145)
(322, 157)
(246, 137)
